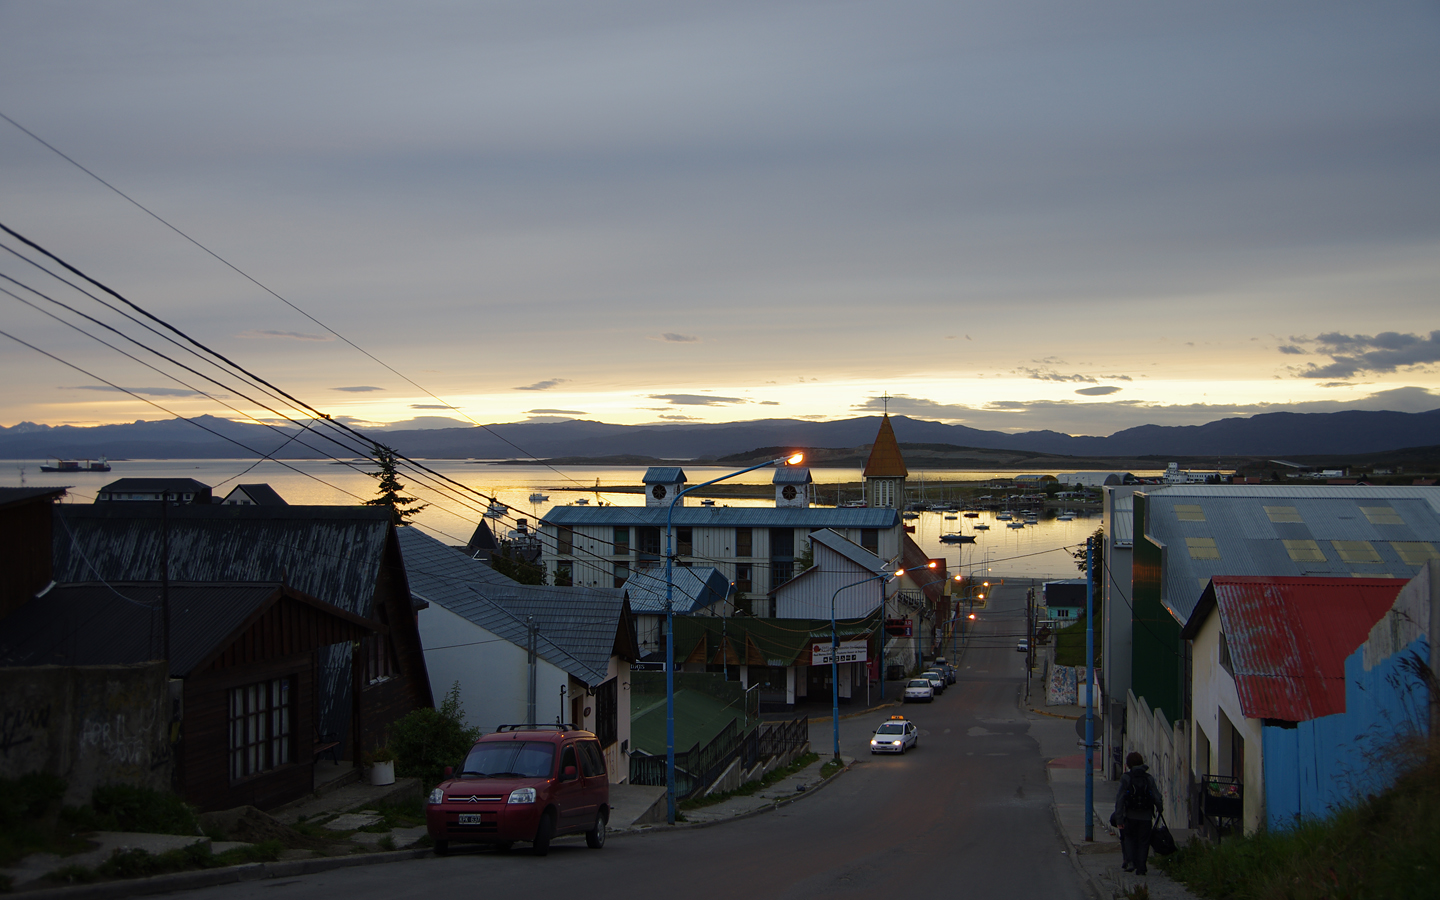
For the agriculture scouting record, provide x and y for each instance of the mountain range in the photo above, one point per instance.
(209, 437)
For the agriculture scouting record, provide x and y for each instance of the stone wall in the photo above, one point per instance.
(90, 725)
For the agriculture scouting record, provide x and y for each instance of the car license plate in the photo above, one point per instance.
(470, 819)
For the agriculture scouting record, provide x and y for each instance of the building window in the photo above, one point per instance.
(684, 541)
(564, 573)
(621, 546)
(648, 541)
(870, 540)
(884, 494)
(744, 542)
(622, 574)
(564, 540)
(742, 578)
(260, 718)
(781, 572)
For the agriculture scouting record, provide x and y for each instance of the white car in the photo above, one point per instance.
(1023, 646)
(937, 680)
(895, 736)
(919, 689)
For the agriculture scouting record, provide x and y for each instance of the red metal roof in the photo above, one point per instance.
(1289, 637)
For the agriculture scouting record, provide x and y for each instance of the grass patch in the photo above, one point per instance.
(831, 767)
(750, 787)
(1070, 645)
(124, 864)
(1383, 846)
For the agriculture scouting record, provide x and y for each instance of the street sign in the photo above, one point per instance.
(898, 627)
(850, 651)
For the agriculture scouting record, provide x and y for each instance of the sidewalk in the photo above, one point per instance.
(1098, 859)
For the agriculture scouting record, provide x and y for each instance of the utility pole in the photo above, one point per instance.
(1090, 689)
(165, 577)
(530, 691)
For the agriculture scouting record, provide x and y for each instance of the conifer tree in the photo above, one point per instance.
(390, 487)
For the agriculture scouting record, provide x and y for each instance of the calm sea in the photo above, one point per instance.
(1035, 551)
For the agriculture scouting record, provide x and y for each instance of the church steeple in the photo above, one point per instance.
(885, 470)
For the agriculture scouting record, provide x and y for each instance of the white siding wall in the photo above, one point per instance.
(1213, 689)
(492, 671)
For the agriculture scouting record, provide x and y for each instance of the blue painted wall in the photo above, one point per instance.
(1329, 762)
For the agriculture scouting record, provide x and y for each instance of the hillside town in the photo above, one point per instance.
(1264, 646)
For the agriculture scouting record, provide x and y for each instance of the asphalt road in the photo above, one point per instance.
(967, 814)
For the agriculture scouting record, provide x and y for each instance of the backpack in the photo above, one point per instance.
(1137, 794)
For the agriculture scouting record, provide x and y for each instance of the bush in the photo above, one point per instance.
(122, 807)
(24, 803)
(427, 740)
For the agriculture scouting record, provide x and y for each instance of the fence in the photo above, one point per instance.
(698, 767)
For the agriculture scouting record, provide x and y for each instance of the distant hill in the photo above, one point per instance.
(1271, 434)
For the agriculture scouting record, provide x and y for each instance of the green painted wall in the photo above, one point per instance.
(1155, 658)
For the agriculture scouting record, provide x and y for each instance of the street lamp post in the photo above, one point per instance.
(793, 460)
(835, 648)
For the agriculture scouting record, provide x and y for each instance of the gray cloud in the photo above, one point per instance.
(545, 385)
(263, 333)
(1292, 350)
(671, 337)
(143, 391)
(697, 399)
(672, 417)
(555, 412)
(1052, 375)
(769, 402)
(1338, 384)
(1389, 351)
(1117, 377)
(431, 406)
(358, 389)
(1098, 391)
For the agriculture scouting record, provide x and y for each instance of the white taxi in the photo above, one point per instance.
(896, 735)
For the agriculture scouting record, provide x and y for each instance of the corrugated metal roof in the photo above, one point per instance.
(695, 588)
(1245, 530)
(885, 460)
(850, 550)
(1122, 519)
(724, 517)
(261, 494)
(1288, 639)
(792, 475)
(120, 623)
(576, 626)
(664, 475)
(145, 485)
(329, 552)
(9, 495)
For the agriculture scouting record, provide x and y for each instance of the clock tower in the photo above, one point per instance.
(885, 470)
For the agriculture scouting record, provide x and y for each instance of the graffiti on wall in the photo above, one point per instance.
(20, 726)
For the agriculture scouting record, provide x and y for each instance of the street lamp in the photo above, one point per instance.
(792, 460)
(835, 647)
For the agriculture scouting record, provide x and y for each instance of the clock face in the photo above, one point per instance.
(788, 492)
(658, 492)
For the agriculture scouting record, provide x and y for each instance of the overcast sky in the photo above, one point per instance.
(1013, 215)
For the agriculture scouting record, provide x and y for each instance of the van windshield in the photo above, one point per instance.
(510, 759)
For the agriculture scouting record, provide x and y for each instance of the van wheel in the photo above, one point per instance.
(595, 837)
(442, 848)
(543, 834)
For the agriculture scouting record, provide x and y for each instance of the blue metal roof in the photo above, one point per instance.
(793, 475)
(695, 588)
(1321, 531)
(664, 475)
(724, 517)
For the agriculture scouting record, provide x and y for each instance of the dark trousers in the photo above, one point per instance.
(1135, 843)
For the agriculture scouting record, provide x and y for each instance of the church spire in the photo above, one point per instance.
(885, 459)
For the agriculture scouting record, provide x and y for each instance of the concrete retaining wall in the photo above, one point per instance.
(90, 725)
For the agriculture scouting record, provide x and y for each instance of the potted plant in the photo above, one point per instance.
(382, 765)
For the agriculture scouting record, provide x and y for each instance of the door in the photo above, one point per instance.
(570, 791)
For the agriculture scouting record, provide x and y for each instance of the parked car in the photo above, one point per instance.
(523, 783)
(896, 735)
(946, 669)
(936, 679)
(919, 689)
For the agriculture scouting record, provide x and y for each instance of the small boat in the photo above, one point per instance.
(957, 538)
(538, 497)
(583, 501)
(1004, 516)
(972, 515)
(1014, 524)
(497, 510)
(910, 515)
(950, 518)
(73, 465)
(1065, 517)
(707, 502)
(982, 527)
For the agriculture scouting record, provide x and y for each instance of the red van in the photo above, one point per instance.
(523, 783)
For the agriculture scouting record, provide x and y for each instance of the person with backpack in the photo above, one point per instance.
(1136, 805)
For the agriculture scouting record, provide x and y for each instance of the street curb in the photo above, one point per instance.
(821, 720)
(1041, 712)
(182, 881)
(769, 807)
